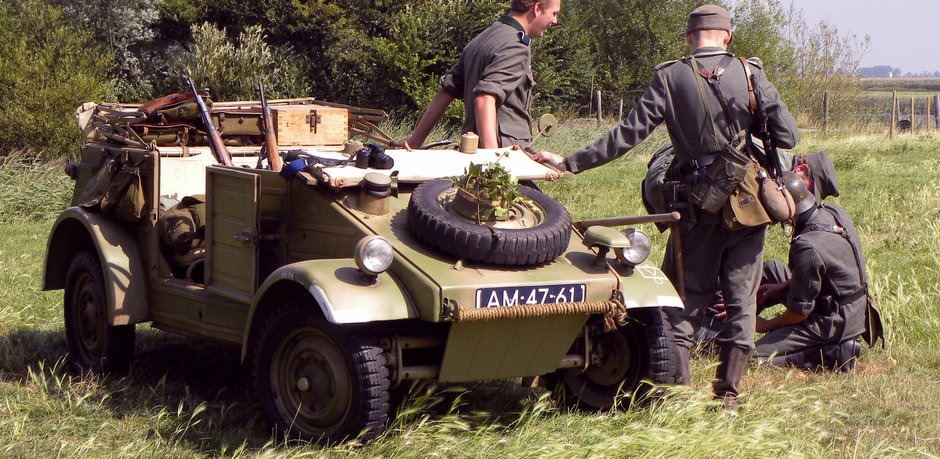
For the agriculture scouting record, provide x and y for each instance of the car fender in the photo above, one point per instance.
(125, 278)
(648, 286)
(343, 294)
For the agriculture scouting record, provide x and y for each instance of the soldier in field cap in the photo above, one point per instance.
(700, 125)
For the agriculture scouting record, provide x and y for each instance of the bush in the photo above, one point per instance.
(230, 71)
(47, 69)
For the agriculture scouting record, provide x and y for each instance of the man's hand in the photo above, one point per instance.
(718, 308)
(770, 294)
(550, 158)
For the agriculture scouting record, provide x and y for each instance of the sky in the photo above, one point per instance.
(903, 32)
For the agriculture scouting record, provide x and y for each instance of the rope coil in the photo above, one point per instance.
(610, 308)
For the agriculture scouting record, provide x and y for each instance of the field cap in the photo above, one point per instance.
(825, 182)
(709, 17)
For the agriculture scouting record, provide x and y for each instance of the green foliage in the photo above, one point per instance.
(492, 184)
(126, 29)
(230, 71)
(47, 69)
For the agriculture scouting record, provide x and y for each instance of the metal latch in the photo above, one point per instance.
(247, 236)
(313, 119)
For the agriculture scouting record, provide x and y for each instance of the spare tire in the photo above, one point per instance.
(529, 237)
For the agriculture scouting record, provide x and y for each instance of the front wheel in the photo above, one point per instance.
(93, 344)
(315, 382)
(623, 361)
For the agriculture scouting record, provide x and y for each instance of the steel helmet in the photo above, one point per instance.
(802, 198)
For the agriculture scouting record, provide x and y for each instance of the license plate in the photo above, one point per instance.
(517, 296)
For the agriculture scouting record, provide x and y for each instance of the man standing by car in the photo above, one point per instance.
(494, 78)
(824, 289)
(715, 258)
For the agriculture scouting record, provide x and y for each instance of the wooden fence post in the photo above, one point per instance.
(600, 112)
(912, 114)
(591, 99)
(826, 111)
(894, 106)
(620, 111)
(927, 122)
(936, 103)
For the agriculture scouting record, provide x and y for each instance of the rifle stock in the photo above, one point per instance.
(270, 140)
(215, 140)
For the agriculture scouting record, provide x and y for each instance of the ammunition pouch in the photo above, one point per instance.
(720, 179)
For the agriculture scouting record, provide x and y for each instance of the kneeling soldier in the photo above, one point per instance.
(824, 290)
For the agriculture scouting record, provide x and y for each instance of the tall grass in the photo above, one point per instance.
(186, 398)
(32, 188)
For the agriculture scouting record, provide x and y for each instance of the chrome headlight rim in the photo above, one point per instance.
(373, 255)
(639, 249)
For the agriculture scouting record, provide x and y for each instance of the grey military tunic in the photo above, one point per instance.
(822, 267)
(498, 62)
(714, 258)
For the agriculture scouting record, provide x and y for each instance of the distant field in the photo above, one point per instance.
(900, 84)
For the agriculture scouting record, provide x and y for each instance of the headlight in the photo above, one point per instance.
(639, 248)
(373, 255)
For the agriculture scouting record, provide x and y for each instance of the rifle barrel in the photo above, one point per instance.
(215, 140)
(270, 140)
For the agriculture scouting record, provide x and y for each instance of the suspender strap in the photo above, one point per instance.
(751, 94)
(712, 77)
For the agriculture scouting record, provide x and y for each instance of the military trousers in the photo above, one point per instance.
(716, 259)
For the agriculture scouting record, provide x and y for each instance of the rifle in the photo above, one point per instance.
(763, 132)
(267, 127)
(215, 140)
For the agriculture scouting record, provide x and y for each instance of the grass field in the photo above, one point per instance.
(186, 398)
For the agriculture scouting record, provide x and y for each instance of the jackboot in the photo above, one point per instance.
(730, 369)
(682, 366)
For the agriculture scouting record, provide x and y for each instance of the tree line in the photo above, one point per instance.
(56, 54)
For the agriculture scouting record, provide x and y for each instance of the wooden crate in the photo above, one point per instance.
(310, 125)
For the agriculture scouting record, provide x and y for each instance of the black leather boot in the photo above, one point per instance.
(733, 359)
(842, 356)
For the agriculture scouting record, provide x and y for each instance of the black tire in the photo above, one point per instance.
(314, 382)
(432, 223)
(631, 358)
(93, 345)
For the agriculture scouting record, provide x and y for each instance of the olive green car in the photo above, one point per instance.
(340, 283)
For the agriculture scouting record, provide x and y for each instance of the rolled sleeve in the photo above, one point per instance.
(452, 81)
(507, 70)
(808, 272)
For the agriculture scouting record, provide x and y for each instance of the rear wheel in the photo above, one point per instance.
(93, 344)
(623, 362)
(316, 383)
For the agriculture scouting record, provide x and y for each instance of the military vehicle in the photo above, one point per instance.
(342, 278)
